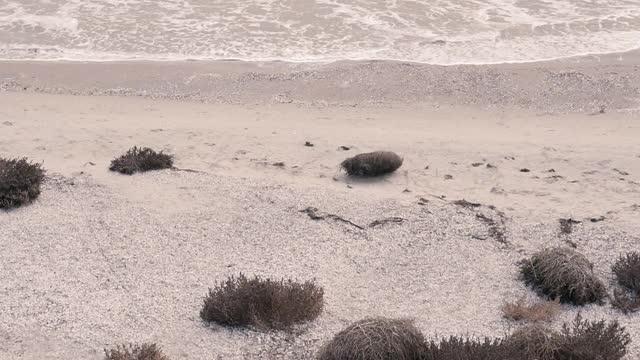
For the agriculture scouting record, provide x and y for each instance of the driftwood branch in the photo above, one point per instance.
(186, 170)
(381, 222)
(314, 214)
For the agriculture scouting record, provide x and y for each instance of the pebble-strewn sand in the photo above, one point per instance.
(102, 258)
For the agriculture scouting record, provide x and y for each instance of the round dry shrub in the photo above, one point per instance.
(564, 274)
(19, 182)
(372, 164)
(135, 352)
(262, 303)
(140, 160)
(376, 339)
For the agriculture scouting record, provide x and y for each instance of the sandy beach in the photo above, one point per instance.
(101, 258)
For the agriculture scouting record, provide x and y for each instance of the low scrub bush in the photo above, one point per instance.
(563, 274)
(386, 339)
(262, 303)
(533, 342)
(135, 352)
(627, 271)
(522, 311)
(580, 340)
(20, 182)
(625, 301)
(140, 160)
(594, 340)
(372, 164)
(461, 348)
(376, 339)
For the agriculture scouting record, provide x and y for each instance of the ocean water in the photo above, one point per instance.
(428, 31)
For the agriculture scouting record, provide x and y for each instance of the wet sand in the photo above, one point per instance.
(102, 258)
(581, 84)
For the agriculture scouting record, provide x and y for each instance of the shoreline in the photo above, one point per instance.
(576, 84)
(578, 57)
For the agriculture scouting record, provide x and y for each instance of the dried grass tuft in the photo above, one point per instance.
(541, 311)
(135, 352)
(376, 339)
(262, 303)
(20, 182)
(140, 160)
(563, 274)
(372, 164)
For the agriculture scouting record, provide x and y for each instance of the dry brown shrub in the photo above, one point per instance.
(262, 303)
(520, 310)
(376, 339)
(372, 164)
(564, 274)
(140, 160)
(135, 352)
(20, 182)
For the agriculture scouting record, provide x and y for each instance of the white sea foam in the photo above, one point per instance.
(429, 31)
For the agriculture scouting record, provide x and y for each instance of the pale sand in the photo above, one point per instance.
(102, 258)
